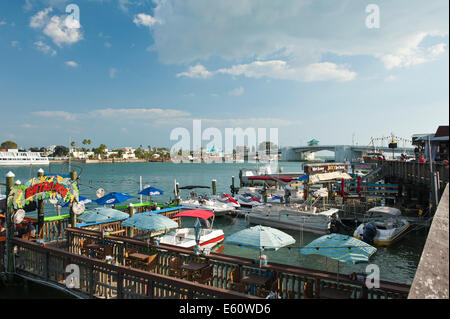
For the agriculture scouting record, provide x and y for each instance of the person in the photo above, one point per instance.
(422, 159)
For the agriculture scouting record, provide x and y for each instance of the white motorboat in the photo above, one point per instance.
(295, 217)
(185, 237)
(383, 227)
(226, 199)
(204, 203)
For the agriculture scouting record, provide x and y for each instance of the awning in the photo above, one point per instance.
(317, 178)
(269, 178)
(203, 214)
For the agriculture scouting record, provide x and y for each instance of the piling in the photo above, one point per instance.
(73, 216)
(40, 205)
(214, 187)
(232, 186)
(131, 212)
(9, 228)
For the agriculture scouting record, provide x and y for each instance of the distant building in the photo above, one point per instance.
(313, 142)
(437, 142)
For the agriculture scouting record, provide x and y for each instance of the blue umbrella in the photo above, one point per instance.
(102, 214)
(151, 191)
(340, 247)
(150, 222)
(261, 237)
(113, 198)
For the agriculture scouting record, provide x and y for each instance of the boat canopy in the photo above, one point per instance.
(197, 213)
(316, 178)
(385, 210)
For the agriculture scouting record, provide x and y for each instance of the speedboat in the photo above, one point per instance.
(295, 217)
(248, 200)
(226, 199)
(383, 227)
(185, 237)
(204, 203)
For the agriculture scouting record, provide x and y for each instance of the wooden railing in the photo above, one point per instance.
(416, 172)
(54, 229)
(290, 279)
(98, 279)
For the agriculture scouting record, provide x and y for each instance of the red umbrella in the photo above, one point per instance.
(343, 187)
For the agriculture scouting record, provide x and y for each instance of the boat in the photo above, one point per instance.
(204, 203)
(383, 227)
(14, 157)
(227, 199)
(299, 217)
(248, 200)
(185, 237)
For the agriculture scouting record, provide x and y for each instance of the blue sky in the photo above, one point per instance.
(134, 69)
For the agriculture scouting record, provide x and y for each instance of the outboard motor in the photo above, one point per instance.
(369, 233)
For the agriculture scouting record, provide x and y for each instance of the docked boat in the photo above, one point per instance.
(248, 200)
(14, 157)
(383, 227)
(204, 203)
(185, 237)
(226, 199)
(295, 217)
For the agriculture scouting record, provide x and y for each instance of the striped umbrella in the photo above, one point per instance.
(150, 222)
(261, 237)
(340, 247)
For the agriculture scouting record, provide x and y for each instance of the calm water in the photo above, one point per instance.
(397, 263)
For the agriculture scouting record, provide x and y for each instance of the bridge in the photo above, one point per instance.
(341, 152)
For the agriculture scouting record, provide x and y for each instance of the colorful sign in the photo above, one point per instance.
(46, 187)
(324, 168)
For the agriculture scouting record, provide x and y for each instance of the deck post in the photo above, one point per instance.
(131, 212)
(40, 205)
(9, 227)
(232, 185)
(73, 217)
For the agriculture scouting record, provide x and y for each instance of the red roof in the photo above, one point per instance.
(203, 214)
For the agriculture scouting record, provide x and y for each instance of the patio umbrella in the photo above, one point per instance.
(150, 222)
(102, 214)
(261, 237)
(113, 198)
(151, 191)
(343, 248)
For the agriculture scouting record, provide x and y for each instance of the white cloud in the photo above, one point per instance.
(72, 64)
(56, 114)
(2, 23)
(198, 71)
(278, 69)
(145, 20)
(138, 113)
(112, 73)
(15, 44)
(237, 91)
(108, 45)
(56, 28)
(390, 78)
(298, 32)
(43, 47)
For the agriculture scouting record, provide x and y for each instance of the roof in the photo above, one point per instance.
(442, 131)
(203, 214)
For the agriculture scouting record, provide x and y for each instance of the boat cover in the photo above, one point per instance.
(203, 214)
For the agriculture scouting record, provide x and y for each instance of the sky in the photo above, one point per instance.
(129, 72)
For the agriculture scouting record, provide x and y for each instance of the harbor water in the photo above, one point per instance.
(397, 263)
